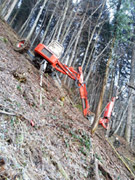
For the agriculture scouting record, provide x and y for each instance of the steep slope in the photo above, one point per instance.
(59, 146)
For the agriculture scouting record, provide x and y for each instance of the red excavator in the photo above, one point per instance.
(51, 54)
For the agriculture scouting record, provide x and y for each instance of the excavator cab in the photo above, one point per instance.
(56, 48)
(51, 53)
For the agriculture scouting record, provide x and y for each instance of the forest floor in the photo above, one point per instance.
(59, 146)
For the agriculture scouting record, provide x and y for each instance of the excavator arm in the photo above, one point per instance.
(104, 121)
(83, 93)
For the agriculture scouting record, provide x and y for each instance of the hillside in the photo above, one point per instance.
(59, 146)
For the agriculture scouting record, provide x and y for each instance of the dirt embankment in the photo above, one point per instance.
(59, 146)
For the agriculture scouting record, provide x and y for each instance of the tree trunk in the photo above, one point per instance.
(55, 31)
(62, 20)
(75, 48)
(91, 53)
(10, 10)
(68, 27)
(12, 20)
(94, 61)
(99, 107)
(24, 26)
(121, 119)
(38, 33)
(4, 8)
(36, 21)
(50, 20)
(130, 102)
(92, 35)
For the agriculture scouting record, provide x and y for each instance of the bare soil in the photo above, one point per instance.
(59, 146)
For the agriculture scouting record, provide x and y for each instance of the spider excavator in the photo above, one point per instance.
(50, 54)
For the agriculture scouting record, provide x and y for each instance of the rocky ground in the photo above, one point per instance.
(49, 139)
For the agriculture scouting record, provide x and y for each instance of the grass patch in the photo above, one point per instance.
(79, 106)
(84, 140)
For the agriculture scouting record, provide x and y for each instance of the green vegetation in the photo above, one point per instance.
(84, 140)
(5, 40)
